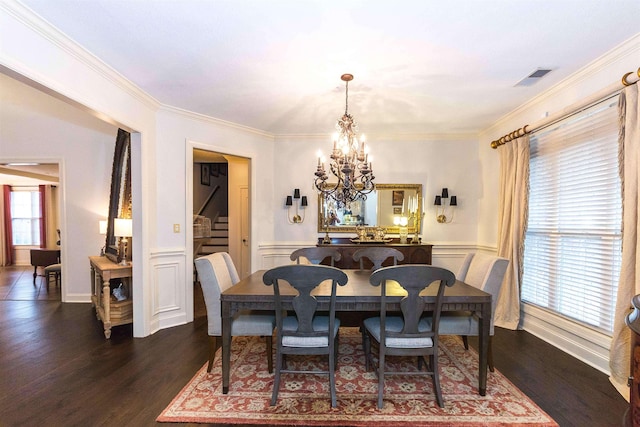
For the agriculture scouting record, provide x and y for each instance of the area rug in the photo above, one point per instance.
(304, 399)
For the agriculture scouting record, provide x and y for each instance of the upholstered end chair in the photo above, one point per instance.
(485, 272)
(217, 273)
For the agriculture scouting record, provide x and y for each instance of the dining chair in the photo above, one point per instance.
(53, 271)
(315, 255)
(485, 272)
(217, 273)
(377, 255)
(305, 332)
(407, 334)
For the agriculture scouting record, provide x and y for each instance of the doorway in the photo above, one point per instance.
(37, 182)
(221, 206)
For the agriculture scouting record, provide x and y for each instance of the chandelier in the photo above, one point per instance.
(349, 162)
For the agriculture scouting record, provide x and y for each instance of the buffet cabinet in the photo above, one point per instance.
(413, 253)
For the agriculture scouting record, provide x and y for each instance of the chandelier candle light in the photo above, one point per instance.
(350, 163)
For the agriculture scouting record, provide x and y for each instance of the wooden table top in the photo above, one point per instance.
(357, 287)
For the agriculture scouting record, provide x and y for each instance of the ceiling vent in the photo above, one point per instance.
(534, 77)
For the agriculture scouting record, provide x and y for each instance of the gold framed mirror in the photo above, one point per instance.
(383, 207)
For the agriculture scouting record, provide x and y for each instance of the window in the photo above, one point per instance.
(573, 241)
(25, 216)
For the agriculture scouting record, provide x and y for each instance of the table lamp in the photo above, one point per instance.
(123, 228)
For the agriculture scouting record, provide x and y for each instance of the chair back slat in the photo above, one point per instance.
(377, 255)
(413, 279)
(315, 255)
(304, 279)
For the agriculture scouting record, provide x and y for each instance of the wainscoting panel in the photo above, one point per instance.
(169, 293)
(276, 254)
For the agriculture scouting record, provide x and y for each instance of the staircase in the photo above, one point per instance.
(219, 240)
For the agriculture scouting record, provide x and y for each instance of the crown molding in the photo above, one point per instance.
(212, 120)
(623, 50)
(40, 26)
(407, 137)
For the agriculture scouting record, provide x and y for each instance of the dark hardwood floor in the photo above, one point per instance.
(57, 369)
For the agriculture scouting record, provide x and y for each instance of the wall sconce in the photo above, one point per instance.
(297, 219)
(103, 231)
(441, 202)
(123, 228)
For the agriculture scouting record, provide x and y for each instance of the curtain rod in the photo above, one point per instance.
(627, 80)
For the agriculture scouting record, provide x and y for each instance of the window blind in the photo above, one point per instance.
(573, 240)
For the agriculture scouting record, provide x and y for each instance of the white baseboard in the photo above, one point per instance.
(583, 343)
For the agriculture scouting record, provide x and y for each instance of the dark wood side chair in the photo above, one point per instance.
(217, 273)
(305, 333)
(377, 255)
(316, 255)
(409, 334)
(43, 258)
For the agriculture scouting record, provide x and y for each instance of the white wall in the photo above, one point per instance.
(435, 163)
(36, 126)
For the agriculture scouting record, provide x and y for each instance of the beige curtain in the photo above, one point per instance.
(512, 221)
(51, 227)
(629, 284)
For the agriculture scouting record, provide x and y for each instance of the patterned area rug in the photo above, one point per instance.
(304, 399)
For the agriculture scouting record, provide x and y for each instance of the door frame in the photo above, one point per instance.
(190, 145)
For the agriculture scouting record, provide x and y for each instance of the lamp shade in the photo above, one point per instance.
(438, 201)
(445, 193)
(304, 201)
(296, 193)
(454, 201)
(123, 227)
(289, 201)
(103, 226)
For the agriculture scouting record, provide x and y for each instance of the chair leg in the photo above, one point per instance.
(276, 379)
(433, 361)
(332, 378)
(465, 341)
(366, 346)
(214, 344)
(381, 377)
(270, 354)
(336, 346)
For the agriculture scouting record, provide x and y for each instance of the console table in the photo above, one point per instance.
(109, 310)
(413, 253)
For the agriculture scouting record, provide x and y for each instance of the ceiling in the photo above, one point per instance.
(29, 174)
(420, 66)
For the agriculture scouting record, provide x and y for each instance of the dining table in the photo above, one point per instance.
(357, 296)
